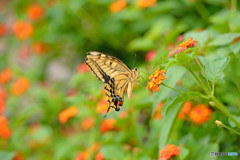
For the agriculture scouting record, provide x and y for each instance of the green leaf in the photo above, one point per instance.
(173, 74)
(167, 126)
(7, 155)
(172, 102)
(215, 68)
(224, 39)
(232, 124)
(112, 151)
(184, 153)
(183, 58)
(200, 37)
(143, 44)
(205, 152)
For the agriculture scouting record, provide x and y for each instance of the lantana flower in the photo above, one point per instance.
(5, 75)
(67, 113)
(185, 110)
(2, 30)
(35, 11)
(102, 106)
(118, 6)
(150, 55)
(107, 125)
(87, 123)
(200, 114)
(99, 156)
(158, 114)
(5, 131)
(169, 151)
(182, 47)
(155, 80)
(22, 29)
(146, 3)
(82, 68)
(20, 86)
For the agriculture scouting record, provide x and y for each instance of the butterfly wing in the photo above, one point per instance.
(114, 73)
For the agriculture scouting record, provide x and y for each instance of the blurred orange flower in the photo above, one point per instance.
(102, 106)
(200, 114)
(146, 3)
(99, 156)
(150, 55)
(82, 156)
(3, 94)
(95, 147)
(87, 123)
(157, 114)
(5, 131)
(22, 30)
(81, 68)
(2, 29)
(123, 114)
(182, 47)
(107, 125)
(20, 86)
(169, 151)
(155, 80)
(2, 106)
(40, 48)
(5, 75)
(35, 11)
(185, 110)
(67, 113)
(18, 156)
(117, 6)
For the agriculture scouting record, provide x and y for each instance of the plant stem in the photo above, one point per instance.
(223, 125)
(172, 88)
(199, 81)
(200, 65)
(233, 6)
(223, 109)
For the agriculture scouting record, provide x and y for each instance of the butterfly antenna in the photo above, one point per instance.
(107, 111)
(134, 59)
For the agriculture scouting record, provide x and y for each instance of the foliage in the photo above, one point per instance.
(52, 106)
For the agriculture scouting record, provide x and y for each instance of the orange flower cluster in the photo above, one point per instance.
(39, 48)
(22, 30)
(20, 86)
(146, 3)
(182, 47)
(200, 114)
(169, 151)
(5, 131)
(2, 30)
(123, 114)
(5, 75)
(108, 125)
(82, 68)
(155, 80)
(117, 6)
(82, 156)
(19, 156)
(157, 114)
(99, 156)
(185, 110)
(3, 97)
(35, 11)
(67, 113)
(87, 123)
(102, 106)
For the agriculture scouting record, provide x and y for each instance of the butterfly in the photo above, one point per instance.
(115, 74)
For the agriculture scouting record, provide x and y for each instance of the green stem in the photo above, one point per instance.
(223, 125)
(199, 81)
(202, 10)
(223, 109)
(172, 88)
(200, 65)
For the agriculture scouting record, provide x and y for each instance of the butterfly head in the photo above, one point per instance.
(135, 73)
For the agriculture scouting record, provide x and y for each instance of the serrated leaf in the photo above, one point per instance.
(232, 124)
(224, 39)
(215, 68)
(172, 102)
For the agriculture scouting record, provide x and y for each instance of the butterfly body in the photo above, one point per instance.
(115, 74)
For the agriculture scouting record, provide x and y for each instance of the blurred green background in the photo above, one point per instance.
(43, 45)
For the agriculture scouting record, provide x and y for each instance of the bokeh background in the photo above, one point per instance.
(52, 106)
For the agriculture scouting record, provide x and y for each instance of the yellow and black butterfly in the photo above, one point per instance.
(117, 76)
